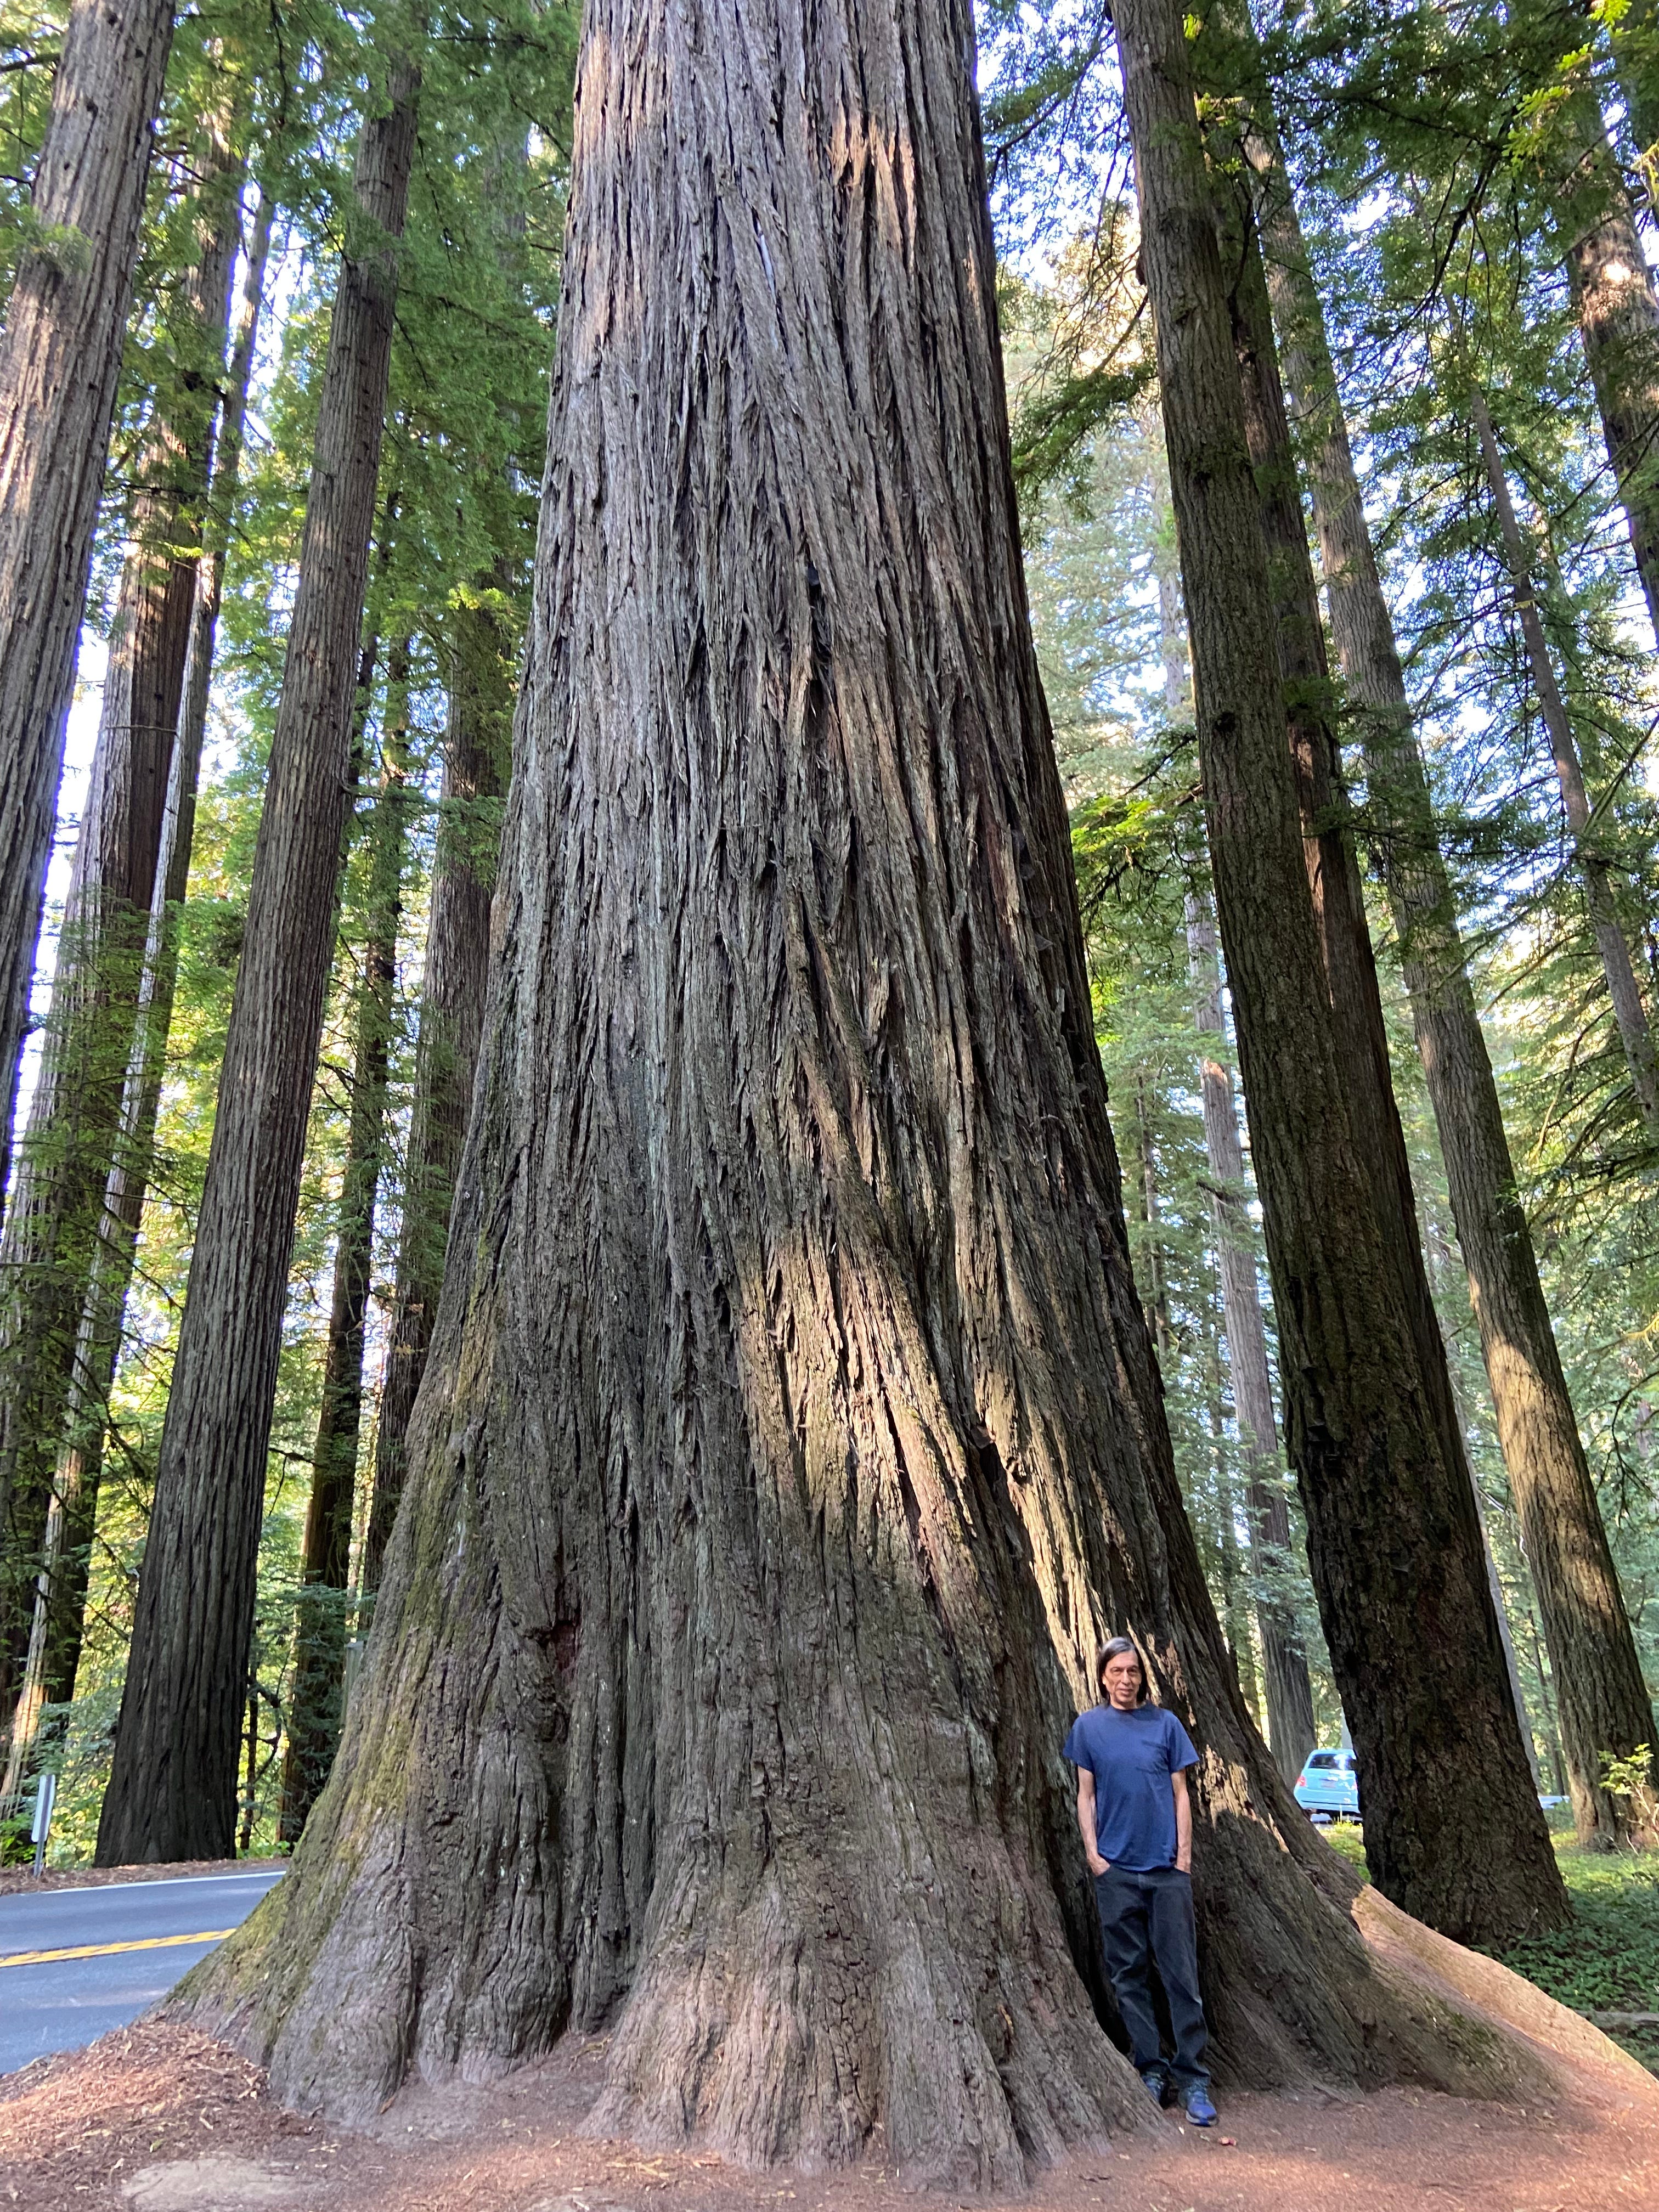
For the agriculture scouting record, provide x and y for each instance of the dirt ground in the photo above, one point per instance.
(15, 1881)
(158, 2119)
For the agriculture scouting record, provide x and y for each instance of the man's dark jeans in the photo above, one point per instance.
(1146, 1920)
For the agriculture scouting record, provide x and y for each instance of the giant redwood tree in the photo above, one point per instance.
(790, 1430)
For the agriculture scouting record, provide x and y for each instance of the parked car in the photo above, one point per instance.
(1327, 1787)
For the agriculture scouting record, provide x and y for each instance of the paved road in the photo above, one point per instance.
(132, 1931)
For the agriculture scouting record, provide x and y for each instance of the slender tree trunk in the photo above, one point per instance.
(1333, 873)
(60, 1598)
(1636, 60)
(1290, 1727)
(791, 1429)
(1442, 1265)
(1542, 1673)
(1331, 859)
(1510, 1661)
(251, 1786)
(319, 1637)
(1584, 1614)
(1235, 1597)
(452, 1027)
(1338, 896)
(1623, 989)
(1453, 1827)
(1171, 630)
(1611, 288)
(172, 1792)
(55, 1630)
(1155, 1304)
(48, 1251)
(60, 355)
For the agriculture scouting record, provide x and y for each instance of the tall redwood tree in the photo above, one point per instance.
(790, 1432)
(49, 1250)
(452, 997)
(1454, 1832)
(60, 354)
(1603, 1699)
(172, 1790)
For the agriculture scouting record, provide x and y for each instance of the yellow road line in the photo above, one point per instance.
(105, 1950)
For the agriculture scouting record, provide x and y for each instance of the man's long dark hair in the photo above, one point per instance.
(1114, 1648)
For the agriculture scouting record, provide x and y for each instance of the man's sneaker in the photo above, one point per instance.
(1200, 2111)
(1157, 2084)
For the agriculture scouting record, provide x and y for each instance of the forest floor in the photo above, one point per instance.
(159, 2119)
(154, 2118)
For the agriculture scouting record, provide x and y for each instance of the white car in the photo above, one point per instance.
(1327, 1787)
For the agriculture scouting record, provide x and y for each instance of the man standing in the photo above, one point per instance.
(1131, 1760)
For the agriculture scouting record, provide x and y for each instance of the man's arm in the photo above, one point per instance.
(1085, 1819)
(1184, 1809)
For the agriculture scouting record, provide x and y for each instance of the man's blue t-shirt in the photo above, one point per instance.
(1131, 1756)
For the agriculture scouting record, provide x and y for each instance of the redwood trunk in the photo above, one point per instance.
(451, 1026)
(1333, 866)
(319, 1637)
(1291, 1728)
(1235, 1610)
(1289, 1693)
(1611, 288)
(791, 1429)
(59, 357)
(60, 1596)
(172, 1792)
(1605, 1704)
(1636, 64)
(1454, 1832)
(1629, 1014)
(1155, 1304)
(47, 1255)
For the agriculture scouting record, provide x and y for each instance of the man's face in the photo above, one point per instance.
(1121, 1680)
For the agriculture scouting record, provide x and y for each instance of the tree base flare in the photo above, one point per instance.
(758, 2040)
(799, 2023)
(77, 2128)
(1524, 2029)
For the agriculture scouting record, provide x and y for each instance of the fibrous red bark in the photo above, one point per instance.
(790, 1431)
